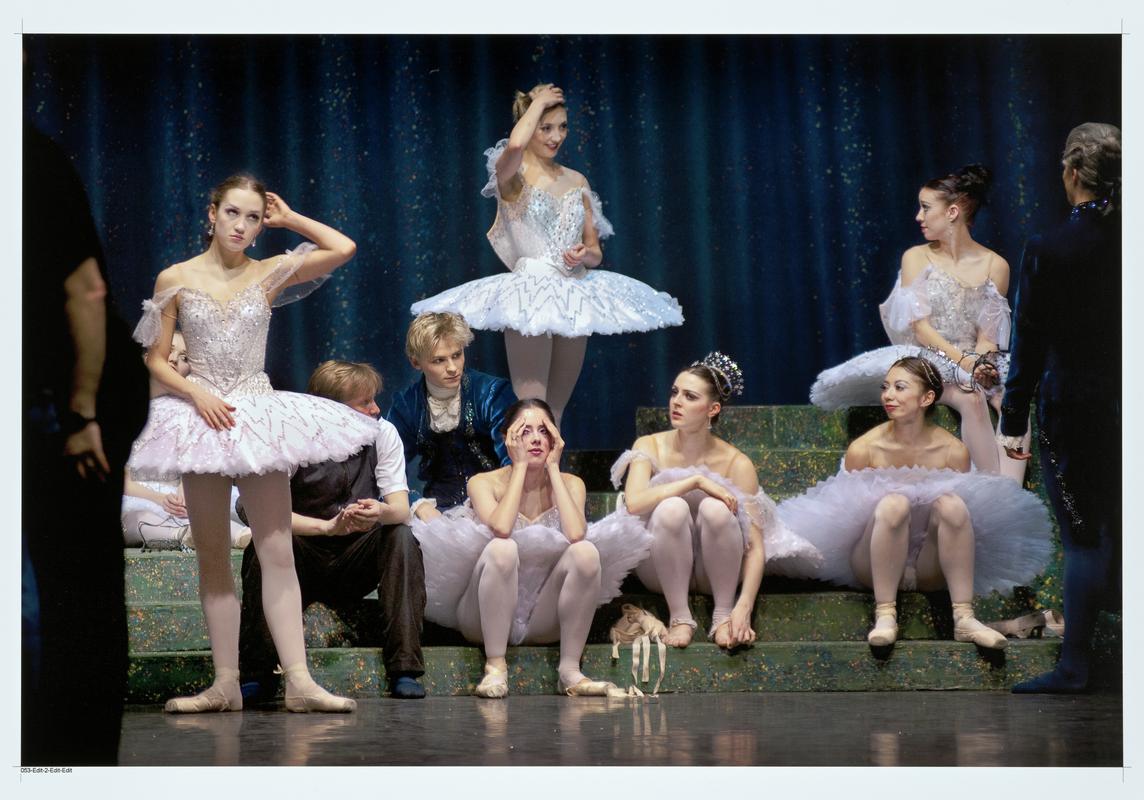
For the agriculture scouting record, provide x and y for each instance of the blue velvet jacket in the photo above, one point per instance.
(446, 461)
(1065, 345)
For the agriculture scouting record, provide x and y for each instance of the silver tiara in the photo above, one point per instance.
(730, 377)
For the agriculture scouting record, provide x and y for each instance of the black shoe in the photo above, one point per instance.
(1054, 682)
(405, 687)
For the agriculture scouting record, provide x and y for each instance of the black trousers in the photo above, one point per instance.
(336, 570)
(74, 651)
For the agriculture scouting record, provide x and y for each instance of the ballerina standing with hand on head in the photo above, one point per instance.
(223, 423)
(547, 232)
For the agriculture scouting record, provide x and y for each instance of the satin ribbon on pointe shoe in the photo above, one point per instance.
(884, 635)
(967, 628)
(587, 687)
(1031, 626)
(494, 685)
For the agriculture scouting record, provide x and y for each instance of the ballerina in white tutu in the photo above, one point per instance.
(948, 305)
(223, 424)
(699, 497)
(905, 512)
(519, 564)
(547, 232)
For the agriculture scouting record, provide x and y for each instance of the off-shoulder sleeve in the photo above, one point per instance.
(289, 263)
(492, 155)
(905, 306)
(994, 320)
(604, 228)
(761, 510)
(625, 460)
(151, 323)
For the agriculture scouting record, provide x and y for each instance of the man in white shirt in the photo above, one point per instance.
(347, 542)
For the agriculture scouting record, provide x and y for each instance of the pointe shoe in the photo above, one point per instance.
(1030, 626)
(967, 628)
(494, 685)
(586, 687)
(303, 694)
(222, 695)
(885, 630)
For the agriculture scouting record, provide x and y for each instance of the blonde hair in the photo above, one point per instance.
(522, 100)
(429, 329)
(343, 380)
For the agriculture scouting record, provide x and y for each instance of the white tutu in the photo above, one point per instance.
(274, 432)
(858, 382)
(540, 295)
(1012, 531)
(786, 552)
(452, 543)
(539, 298)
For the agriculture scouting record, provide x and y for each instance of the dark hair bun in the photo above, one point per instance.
(974, 180)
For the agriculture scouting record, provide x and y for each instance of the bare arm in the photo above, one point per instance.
(857, 455)
(508, 165)
(569, 494)
(743, 475)
(641, 498)
(588, 251)
(500, 515)
(86, 312)
(334, 247)
(999, 274)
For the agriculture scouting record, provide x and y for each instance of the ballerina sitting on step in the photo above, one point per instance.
(906, 513)
(518, 563)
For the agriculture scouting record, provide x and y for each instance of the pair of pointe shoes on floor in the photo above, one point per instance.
(966, 627)
(494, 685)
(303, 694)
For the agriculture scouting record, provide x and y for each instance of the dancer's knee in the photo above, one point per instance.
(671, 517)
(892, 510)
(584, 559)
(951, 510)
(714, 514)
(502, 556)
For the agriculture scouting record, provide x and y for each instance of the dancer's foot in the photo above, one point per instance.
(579, 685)
(679, 633)
(494, 685)
(967, 628)
(885, 630)
(222, 695)
(303, 694)
(1057, 681)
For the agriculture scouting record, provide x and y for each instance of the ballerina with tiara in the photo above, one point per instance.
(547, 232)
(698, 496)
(519, 564)
(905, 513)
(223, 424)
(948, 305)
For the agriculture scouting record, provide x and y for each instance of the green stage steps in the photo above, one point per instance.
(811, 635)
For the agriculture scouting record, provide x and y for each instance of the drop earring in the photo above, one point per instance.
(210, 229)
(254, 243)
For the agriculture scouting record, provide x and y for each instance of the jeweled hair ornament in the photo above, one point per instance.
(727, 373)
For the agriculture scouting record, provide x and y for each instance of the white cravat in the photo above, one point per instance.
(444, 408)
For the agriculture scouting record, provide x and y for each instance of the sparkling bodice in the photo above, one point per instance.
(538, 225)
(956, 308)
(226, 342)
(548, 519)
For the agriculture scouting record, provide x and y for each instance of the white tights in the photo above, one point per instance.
(563, 611)
(978, 433)
(545, 367)
(697, 543)
(267, 502)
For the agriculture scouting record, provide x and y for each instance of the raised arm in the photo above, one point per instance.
(568, 491)
(508, 165)
(334, 247)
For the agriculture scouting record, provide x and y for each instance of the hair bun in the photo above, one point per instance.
(974, 179)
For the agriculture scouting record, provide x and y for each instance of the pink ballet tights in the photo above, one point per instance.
(545, 367)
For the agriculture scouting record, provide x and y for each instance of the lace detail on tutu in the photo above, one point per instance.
(290, 262)
(151, 323)
(452, 544)
(603, 227)
(905, 306)
(1012, 531)
(492, 155)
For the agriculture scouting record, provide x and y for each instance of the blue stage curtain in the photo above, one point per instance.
(768, 182)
